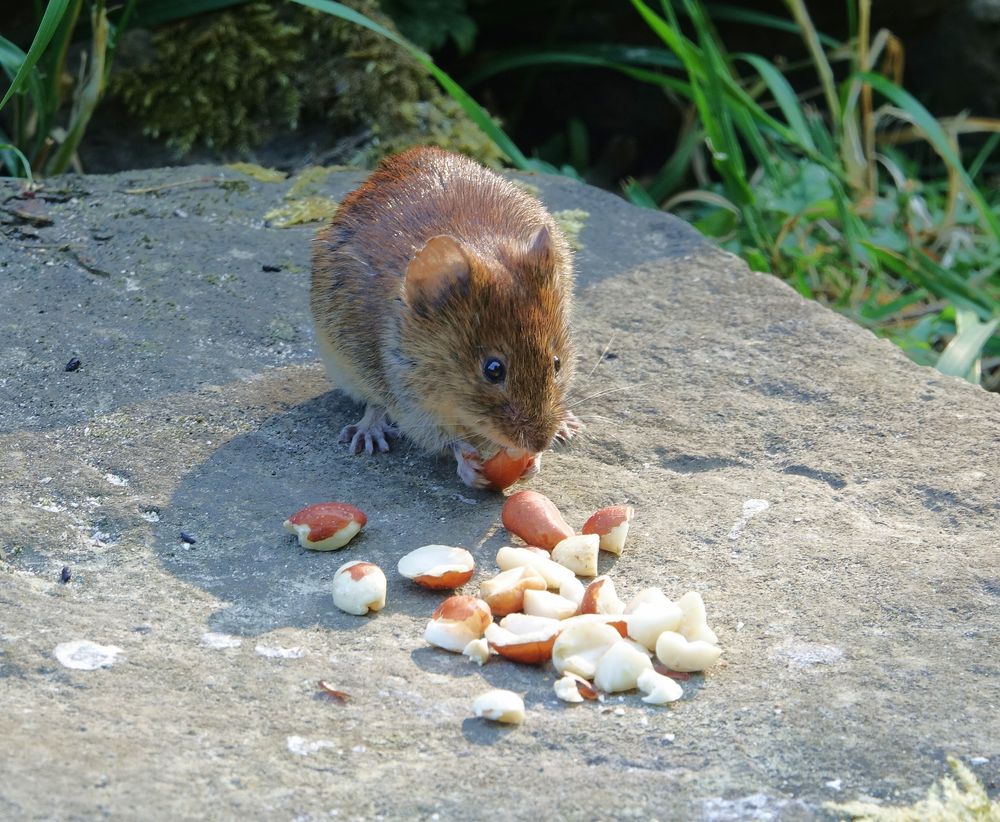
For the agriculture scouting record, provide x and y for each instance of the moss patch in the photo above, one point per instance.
(259, 173)
(234, 78)
(307, 182)
(962, 799)
(528, 188)
(302, 210)
(571, 221)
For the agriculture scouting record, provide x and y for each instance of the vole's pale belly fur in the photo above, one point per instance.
(359, 263)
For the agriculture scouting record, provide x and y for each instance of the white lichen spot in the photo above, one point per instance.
(84, 655)
(280, 653)
(50, 506)
(114, 479)
(757, 806)
(751, 508)
(798, 654)
(300, 746)
(219, 642)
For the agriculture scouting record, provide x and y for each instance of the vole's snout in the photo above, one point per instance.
(527, 430)
(538, 444)
(537, 437)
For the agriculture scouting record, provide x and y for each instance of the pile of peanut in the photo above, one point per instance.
(597, 643)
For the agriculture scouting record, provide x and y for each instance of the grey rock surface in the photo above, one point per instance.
(859, 611)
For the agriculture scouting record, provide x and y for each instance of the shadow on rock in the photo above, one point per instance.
(234, 505)
(484, 732)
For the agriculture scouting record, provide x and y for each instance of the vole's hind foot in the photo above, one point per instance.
(470, 465)
(373, 432)
(571, 426)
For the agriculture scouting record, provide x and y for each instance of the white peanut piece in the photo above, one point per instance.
(694, 626)
(659, 689)
(578, 553)
(620, 666)
(679, 654)
(580, 647)
(359, 587)
(500, 706)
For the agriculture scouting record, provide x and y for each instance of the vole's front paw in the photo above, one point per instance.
(470, 465)
(571, 426)
(533, 467)
(372, 432)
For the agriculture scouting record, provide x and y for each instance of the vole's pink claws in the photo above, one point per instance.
(533, 467)
(371, 433)
(470, 465)
(571, 426)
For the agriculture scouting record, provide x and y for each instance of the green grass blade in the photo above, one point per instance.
(694, 64)
(50, 22)
(585, 53)
(637, 194)
(578, 58)
(8, 153)
(983, 155)
(11, 60)
(89, 94)
(936, 136)
(475, 112)
(669, 178)
(734, 14)
(940, 281)
(783, 94)
(53, 61)
(961, 357)
(874, 314)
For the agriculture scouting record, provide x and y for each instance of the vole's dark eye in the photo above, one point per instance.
(556, 364)
(494, 370)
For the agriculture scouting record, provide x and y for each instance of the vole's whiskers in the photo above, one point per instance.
(597, 394)
(600, 359)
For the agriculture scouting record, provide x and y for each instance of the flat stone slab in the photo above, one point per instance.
(836, 506)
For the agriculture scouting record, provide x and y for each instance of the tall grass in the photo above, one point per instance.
(48, 117)
(813, 187)
(37, 140)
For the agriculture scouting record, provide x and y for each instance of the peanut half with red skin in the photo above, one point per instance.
(611, 525)
(438, 567)
(535, 519)
(326, 526)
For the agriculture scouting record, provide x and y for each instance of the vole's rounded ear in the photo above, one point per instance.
(540, 256)
(540, 245)
(435, 271)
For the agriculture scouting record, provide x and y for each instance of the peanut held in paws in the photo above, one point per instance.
(507, 466)
(440, 294)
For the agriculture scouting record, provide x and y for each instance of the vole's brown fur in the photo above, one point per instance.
(429, 268)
